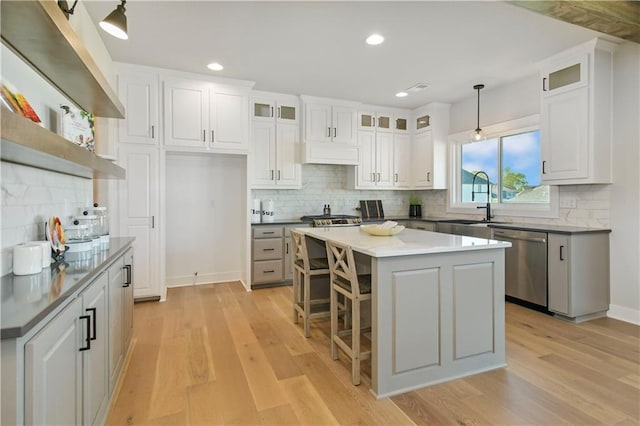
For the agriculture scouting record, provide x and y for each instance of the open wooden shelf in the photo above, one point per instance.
(38, 31)
(25, 142)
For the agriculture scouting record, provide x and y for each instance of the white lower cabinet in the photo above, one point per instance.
(65, 377)
(53, 370)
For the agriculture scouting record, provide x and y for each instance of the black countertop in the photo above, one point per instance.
(27, 299)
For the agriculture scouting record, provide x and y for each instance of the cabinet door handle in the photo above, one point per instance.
(373, 119)
(153, 132)
(94, 328)
(268, 249)
(270, 271)
(286, 248)
(561, 252)
(278, 174)
(268, 232)
(272, 174)
(271, 111)
(213, 136)
(279, 112)
(127, 281)
(335, 132)
(88, 338)
(153, 222)
(395, 177)
(328, 132)
(544, 84)
(378, 177)
(544, 169)
(428, 176)
(373, 177)
(204, 135)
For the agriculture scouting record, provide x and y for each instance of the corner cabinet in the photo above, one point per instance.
(275, 141)
(205, 116)
(578, 275)
(329, 131)
(576, 107)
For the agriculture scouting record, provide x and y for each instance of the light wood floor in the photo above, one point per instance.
(215, 354)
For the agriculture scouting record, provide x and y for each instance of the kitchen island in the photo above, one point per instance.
(437, 310)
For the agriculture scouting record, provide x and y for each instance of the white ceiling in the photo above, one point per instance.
(318, 48)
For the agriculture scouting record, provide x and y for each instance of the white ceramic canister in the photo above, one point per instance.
(46, 252)
(27, 259)
(255, 211)
(268, 213)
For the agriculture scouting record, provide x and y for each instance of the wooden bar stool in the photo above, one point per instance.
(355, 288)
(307, 270)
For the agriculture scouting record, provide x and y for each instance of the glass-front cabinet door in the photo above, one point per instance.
(400, 124)
(287, 113)
(569, 74)
(373, 121)
(423, 122)
(268, 110)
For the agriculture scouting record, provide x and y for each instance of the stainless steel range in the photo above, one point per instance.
(332, 220)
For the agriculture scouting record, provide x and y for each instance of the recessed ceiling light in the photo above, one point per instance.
(214, 66)
(401, 94)
(375, 39)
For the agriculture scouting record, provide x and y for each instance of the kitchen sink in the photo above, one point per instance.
(469, 222)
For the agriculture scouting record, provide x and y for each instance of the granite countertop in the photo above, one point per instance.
(408, 242)
(27, 299)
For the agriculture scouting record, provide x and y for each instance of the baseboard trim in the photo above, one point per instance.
(189, 280)
(625, 314)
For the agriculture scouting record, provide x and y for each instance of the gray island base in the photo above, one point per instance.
(437, 311)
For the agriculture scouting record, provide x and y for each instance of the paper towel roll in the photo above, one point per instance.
(255, 211)
(27, 259)
(268, 213)
(46, 251)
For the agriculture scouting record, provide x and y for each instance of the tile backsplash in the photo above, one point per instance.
(29, 197)
(327, 184)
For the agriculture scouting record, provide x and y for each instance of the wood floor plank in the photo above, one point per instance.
(231, 350)
(262, 381)
(308, 405)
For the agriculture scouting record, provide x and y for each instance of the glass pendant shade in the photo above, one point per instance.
(116, 22)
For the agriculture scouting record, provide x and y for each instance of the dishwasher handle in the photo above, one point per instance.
(512, 237)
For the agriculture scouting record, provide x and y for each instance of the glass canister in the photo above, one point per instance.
(103, 220)
(93, 226)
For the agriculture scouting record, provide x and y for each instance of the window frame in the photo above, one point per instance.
(498, 130)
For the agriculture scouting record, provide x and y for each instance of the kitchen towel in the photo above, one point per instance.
(268, 213)
(255, 211)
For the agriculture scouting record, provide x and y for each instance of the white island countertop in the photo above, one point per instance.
(406, 243)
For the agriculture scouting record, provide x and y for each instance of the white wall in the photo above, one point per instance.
(625, 192)
(204, 232)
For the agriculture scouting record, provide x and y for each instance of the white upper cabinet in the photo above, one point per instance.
(330, 131)
(575, 122)
(401, 161)
(429, 153)
(200, 114)
(138, 91)
(275, 136)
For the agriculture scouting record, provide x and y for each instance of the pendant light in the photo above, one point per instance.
(477, 134)
(116, 22)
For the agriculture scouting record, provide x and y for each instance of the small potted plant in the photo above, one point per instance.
(415, 206)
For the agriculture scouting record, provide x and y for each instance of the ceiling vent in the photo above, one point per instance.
(417, 87)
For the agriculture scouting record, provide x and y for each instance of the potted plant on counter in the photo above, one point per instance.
(415, 206)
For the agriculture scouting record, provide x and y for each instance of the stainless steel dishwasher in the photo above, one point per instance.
(525, 266)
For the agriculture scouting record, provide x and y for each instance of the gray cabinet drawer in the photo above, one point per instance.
(267, 232)
(268, 248)
(267, 271)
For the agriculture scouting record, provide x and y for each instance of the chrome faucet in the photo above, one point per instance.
(473, 194)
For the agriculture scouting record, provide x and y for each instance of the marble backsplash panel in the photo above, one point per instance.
(29, 197)
(327, 184)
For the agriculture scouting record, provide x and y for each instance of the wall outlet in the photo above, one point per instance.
(568, 202)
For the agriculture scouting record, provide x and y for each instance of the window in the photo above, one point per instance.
(511, 159)
(512, 165)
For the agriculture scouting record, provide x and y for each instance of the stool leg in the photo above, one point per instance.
(334, 321)
(307, 304)
(296, 294)
(355, 342)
